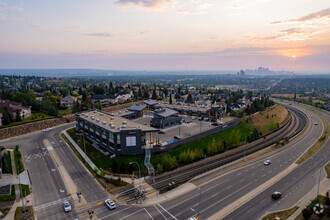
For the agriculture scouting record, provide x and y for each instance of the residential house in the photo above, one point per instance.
(67, 102)
(14, 108)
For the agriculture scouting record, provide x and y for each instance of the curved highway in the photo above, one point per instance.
(219, 189)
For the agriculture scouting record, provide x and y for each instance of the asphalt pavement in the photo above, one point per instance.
(218, 190)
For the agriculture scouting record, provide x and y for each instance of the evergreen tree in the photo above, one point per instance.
(18, 116)
(98, 105)
(189, 98)
(171, 102)
(6, 117)
(154, 96)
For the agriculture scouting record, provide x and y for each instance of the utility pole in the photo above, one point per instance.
(318, 185)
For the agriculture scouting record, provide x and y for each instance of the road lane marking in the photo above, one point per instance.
(51, 203)
(160, 212)
(229, 187)
(115, 213)
(148, 213)
(225, 197)
(167, 211)
(131, 214)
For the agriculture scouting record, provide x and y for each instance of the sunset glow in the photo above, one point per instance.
(164, 35)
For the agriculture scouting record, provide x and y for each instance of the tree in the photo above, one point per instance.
(84, 95)
(154, 95)
(123, 167)
(189, 98)
(18, 116)
(6, 117)
(114, 166)
(171, 102)
(98, 105)
(307, 213)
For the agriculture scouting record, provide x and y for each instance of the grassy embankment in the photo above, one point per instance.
(318, 145)
(263, 122)
(36, 116)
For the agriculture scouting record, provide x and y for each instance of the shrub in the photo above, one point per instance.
(307, 213)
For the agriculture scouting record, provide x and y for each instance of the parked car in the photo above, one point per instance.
(200, 118)
(66, 206)
(110, 204)
(193, 117)
(267, 162)
(177, 137)
(206, 119)
(189, 122)
(276, 195)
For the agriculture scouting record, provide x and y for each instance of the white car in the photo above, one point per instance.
(111, 204)
(66, 206)
(47, 129)
(267, 162)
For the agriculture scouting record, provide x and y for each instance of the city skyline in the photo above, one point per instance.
(166, 34)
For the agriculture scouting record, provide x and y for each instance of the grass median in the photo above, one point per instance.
(282, 214)
(318, 145)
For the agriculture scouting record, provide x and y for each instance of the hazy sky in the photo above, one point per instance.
(166, 34)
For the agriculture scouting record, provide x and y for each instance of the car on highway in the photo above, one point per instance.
(315, 123)
(46, 129)
(110, 204)
(267, 162)
(276, 195)
(66, 206)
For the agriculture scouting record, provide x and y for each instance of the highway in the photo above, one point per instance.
(219, 189)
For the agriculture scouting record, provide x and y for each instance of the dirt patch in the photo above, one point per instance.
(269, 119)
(327, 169)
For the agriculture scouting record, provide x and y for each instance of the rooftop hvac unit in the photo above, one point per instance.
(124, 122)
(97, 120)
(104, 123)
(93, 117)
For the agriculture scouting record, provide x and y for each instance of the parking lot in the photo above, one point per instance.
(186, 129)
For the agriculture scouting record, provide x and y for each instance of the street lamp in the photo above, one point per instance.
(139, 174)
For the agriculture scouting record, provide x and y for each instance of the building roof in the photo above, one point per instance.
(113, 122)
(12, 106)
(150, 102)
(165, 112)
(68, 98)
(137, 107)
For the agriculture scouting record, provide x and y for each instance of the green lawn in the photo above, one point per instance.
(182, 155)
(64, 112)
(7, 166)
(10, 197)
(36, 116)
(25, 190)
(18, 161)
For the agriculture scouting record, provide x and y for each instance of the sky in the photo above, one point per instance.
(185, 35)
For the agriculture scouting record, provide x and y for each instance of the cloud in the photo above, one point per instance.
(144, 3)
(104, 34)
(5, 6)
(197, 8)
(3, 17)
(325, 13)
